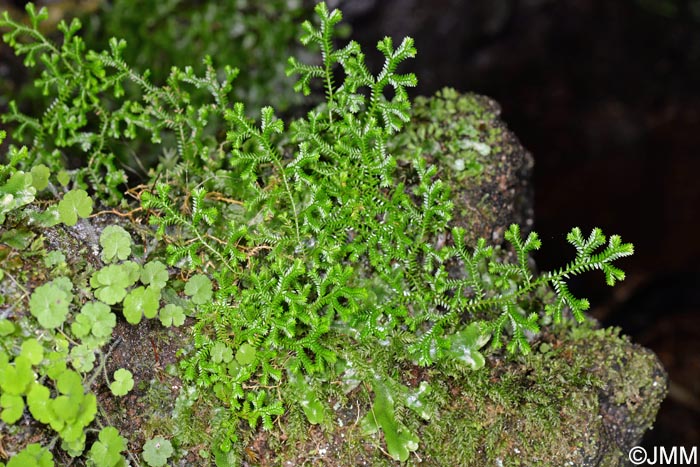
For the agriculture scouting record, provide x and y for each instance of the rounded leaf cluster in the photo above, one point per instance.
(199, 287)
(156, 451)
(75, 204)
(123, 382)
(49, 304)
(116, 243)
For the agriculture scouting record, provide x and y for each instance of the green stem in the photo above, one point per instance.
(291, 199)
(26, 292)
(326, 52)
(199, 236)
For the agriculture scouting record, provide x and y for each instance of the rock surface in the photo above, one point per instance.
(583, 397)
(488, 170)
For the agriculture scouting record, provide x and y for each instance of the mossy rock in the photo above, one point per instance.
(583, 397)
(483, 163)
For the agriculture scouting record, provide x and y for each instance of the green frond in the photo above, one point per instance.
(523, 249)
(314, 247)
(565, 297)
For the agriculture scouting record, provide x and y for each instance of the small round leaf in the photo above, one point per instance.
(12, 406)
(199, 287)
(49, 305)
(75, 203)
(33, 350)
(116, 243)
(156, 451)
(33, 455)
(220, 352)
(141, 301)
(155, 274)
(123, 382)
(246, 354)
(172, 315)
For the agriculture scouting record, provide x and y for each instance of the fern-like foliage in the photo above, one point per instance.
(496, 293)
(335, 247)
(313, 237)
(89, 122)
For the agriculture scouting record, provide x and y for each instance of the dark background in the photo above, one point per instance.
(605, 95)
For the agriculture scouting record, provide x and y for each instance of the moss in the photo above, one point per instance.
(481, 161)
(541, 409)
(554, 407)
(580, 398)
(560, 405)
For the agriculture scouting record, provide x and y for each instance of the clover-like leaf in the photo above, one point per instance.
(33, 351)
(49, 305)
(73, 438)
(54, 258)
(94, 318)
(141, 302)
(76, 203)
(87, 410)
(33, 455)
(69, 383)
(116, 243)
(40, 176)
(15, 378)
(123, 382)
(64, 284)
(38, 398)
(155, 274)
(245, 354)
(106, 451)
(133, 271)
(63, 178)
(111, 281)
(82, 358)
(199, 287)
(172, 315)
(12, 408)
(55, 362)
(63, 408)
(156, 451)
(6, 327)
(221, 352)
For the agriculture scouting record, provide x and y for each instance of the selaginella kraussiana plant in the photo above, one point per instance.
(321, 254)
